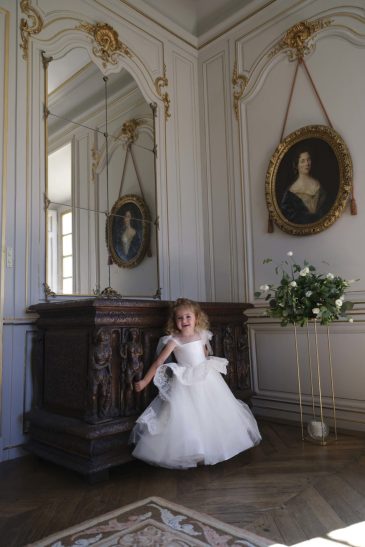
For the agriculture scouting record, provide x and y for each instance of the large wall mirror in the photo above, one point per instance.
(101, 212)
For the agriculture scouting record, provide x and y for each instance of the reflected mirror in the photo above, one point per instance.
(101, 216)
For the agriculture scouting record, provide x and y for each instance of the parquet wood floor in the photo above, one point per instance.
(283, 489)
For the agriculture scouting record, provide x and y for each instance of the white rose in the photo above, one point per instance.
(330, 276)
(315, 311)
(308, 294)
(264, 288)
(338, 302)
(293, 283)
(304, 271)
(290, 253)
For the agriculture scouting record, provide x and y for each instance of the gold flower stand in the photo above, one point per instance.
(318, 431)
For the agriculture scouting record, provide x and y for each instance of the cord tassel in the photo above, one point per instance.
(353, 206)
(270, 226)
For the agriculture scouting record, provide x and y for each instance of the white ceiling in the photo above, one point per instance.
(195, 16)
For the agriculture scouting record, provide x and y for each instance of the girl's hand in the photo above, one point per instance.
(139, 386)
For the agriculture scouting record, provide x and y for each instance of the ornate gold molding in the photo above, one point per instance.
(96, 157)
(327, 146)
(239, 82)
(129, 133)
(298, 38)
(107, 45)
(26, 29)
(48, 291)
(161, 82)
(109, 293)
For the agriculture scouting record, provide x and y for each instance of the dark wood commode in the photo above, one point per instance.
(87, 356)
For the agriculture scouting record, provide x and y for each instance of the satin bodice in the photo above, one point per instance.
(191, 353)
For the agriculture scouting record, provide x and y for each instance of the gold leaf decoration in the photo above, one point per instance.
(239, 82)
(107, 45)
(96, 156)
(161, 82)
(129, 133)
(26, 29)
(298, 39)
(48, 291)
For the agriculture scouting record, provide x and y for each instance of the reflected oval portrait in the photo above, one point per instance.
(128, 231)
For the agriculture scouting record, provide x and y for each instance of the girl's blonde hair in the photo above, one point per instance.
(201, 318)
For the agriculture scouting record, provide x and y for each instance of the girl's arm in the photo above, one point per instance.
(139, 386)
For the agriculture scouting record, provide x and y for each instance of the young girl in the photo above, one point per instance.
(195, 418)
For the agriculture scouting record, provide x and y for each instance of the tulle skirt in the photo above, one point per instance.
(194, 419)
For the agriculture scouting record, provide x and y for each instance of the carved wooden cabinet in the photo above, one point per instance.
(87, 356)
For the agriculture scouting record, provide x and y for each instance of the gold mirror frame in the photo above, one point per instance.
(332, 180)
(130, 253)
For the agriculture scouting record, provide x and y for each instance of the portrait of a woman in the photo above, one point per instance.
(308, 181)
(303, 201)
(128, 231)
(130, 237)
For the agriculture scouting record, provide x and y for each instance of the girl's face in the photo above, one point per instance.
(304, 163)
(185, 320)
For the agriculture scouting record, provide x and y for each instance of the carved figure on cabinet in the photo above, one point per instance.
(243, 362)
(229, 354)
(100, 375)
(132, 371)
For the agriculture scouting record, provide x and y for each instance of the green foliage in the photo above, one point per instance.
(305, 294)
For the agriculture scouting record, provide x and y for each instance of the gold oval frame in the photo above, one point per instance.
(324, 138)
(142, 224)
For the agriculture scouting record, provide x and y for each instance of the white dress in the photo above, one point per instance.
(195, 418)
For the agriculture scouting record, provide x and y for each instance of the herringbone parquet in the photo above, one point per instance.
(284, 489)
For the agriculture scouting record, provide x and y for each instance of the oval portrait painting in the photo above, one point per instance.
(128, 231)
(309, 180)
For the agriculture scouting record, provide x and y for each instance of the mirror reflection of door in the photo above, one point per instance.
(85, 175)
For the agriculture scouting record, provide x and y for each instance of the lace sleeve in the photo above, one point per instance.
(207, 335)
(162, 343)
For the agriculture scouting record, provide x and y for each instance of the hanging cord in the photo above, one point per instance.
(124, 169)
(353, 204)
(270, 225)
(300, 61)
(130, 151)
(290, 98)
(316, 92)
(105, 78)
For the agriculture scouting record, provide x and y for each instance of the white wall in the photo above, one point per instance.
(235, 159)
(154, 53)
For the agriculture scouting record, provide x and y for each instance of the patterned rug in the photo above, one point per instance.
(153, 522)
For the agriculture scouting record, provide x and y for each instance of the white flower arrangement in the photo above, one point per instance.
(304, 294)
